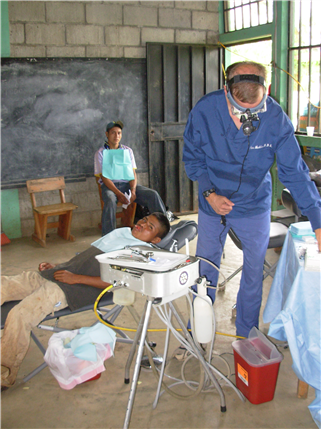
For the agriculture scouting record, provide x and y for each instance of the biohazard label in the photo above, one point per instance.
(242, 374)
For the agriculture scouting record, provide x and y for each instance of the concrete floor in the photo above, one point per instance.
(41, 403)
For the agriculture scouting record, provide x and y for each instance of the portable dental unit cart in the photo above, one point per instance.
(162, 277)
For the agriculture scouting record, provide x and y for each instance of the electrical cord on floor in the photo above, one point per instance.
(203, 385)
(168, 389)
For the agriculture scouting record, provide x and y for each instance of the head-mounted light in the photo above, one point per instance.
(245, 114)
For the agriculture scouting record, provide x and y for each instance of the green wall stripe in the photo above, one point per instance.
(10, 213)
(5, 34)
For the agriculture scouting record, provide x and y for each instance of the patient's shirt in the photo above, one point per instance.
(85, 263)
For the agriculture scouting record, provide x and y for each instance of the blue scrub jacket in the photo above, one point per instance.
(214, 151)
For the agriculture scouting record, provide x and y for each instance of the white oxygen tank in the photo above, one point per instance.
(203, 314)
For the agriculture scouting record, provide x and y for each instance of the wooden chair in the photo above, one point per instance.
(127, 216)
(41, 213)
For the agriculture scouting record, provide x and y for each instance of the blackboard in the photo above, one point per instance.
(55, 111)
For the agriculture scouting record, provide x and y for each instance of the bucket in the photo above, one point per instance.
(257, 363)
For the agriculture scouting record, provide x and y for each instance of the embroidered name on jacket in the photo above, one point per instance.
(263, 146)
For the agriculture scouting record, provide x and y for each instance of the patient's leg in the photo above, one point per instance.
(14, 288)
(21, 320)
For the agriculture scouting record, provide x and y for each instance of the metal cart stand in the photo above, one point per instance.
(141, 337)
(162, 278)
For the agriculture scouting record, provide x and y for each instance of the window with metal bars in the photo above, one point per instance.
(240, 14)
(305, 65)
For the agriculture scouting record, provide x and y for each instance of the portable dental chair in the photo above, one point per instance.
(174, 240)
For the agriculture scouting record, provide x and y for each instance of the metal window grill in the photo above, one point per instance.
(305, 65)
(240, 14)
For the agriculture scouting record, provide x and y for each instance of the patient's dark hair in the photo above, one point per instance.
(164, 224)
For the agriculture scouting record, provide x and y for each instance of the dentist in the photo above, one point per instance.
(230, 142)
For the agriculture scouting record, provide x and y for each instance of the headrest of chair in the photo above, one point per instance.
(179, 232)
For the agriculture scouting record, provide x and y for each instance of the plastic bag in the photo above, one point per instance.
(83, 345)
(68, 369)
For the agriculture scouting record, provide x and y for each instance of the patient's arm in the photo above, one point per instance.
(45, 266)
(65, 276)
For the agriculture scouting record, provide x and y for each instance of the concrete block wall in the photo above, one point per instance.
(107, 28)
(101, 29)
